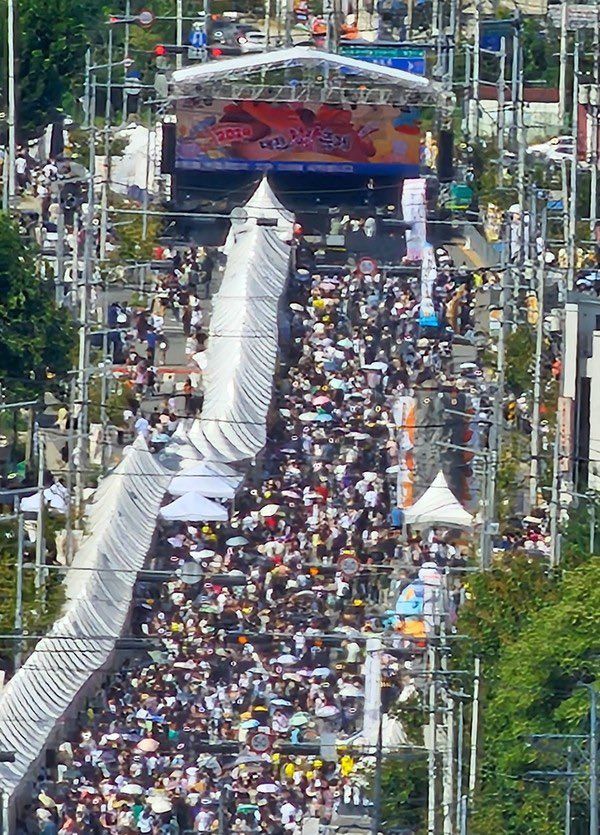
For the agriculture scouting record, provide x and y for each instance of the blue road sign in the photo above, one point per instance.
(408, 59)
(198, 38)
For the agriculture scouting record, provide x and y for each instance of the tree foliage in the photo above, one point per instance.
(41, 607)
(52, 38)
(536, 692)
(520, 351)
(36, 336)
(537, 634)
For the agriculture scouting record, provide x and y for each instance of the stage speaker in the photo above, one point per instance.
(445, 162)
(167, 164)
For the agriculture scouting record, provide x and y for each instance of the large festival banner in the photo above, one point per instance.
(295, 136)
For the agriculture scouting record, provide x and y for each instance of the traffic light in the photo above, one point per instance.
(162, 51)
(510, 411)
(532, 306)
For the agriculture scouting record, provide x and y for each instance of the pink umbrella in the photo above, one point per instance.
(321, 400)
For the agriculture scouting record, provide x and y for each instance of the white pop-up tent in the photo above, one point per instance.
(192, 507)
(438, 506)
(207, 485)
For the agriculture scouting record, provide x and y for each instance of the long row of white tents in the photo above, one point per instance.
(121, 520)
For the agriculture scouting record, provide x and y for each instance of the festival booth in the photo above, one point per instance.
(99, 584)
(438, 506)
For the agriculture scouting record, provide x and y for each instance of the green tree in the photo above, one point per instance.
(36, 336)
(53, 36)
(41, 607)
(535, 691)
(520, 350)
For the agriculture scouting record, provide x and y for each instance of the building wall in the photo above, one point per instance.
(593, 373)
(582, 386)
(541, 119)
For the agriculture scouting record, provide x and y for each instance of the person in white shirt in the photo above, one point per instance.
(142, 427)
(22, 171)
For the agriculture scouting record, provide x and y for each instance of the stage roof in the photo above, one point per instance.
(331, 78)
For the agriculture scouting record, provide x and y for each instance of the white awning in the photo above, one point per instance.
(192, 507)
(99, 586)
(438, 506)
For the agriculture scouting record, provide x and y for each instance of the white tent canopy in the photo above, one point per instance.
(295, 56)
(122, 522)
(438, 506)
(200, 473)
(210, 486)
(192, 507)
(242, 344)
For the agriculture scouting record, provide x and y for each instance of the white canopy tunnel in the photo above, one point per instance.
(438, 506)
(242, 344)
(99, 586)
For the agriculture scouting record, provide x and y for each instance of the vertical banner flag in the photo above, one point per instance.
(414, 211)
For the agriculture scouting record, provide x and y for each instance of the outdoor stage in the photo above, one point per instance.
(335, 135)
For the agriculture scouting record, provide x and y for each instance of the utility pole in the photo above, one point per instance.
(474, 732)
(106, 178)
(476, 71)
(376, 813)
(19, 589)
(39, 536)
(104, 379)
(522, 169)
(501, 103)
(448, 749)
(514, 78)
(431, 760)
(572, 248)
(268, 23)
(466, 123)
(568, 792)
(562, 81)
(126, 55)
(435, 29)
(451, 44)
(59, 287)
(593, 760)
(70, 450)
(88, 258)
(179, 34)
(459, 761)
(537, 377)
(12, 127)
(555, 498)
(594, 92)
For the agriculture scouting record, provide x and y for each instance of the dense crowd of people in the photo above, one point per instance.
(260, 630)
